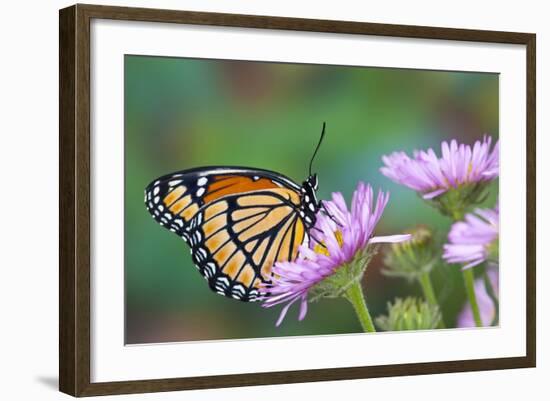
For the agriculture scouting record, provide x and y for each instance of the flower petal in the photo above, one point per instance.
(469, 240)
(474, 263)
(283, 312)
(303, 308)
(431, 175)
(433, 194)
(390, 238)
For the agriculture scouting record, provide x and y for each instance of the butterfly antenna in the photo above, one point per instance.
(317, 148)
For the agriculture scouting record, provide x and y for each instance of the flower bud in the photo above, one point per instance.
(409, 314)
(410, 259)
(456, 201)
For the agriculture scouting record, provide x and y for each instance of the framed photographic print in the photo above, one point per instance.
(251, 200)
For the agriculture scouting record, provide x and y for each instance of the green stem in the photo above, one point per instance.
(457, 215)
(468, 275)
(427, 288)
(429, 294)
(354, 294)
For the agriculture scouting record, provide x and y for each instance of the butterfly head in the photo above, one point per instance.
(313, 182)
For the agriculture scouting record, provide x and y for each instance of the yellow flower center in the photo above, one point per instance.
(321, 248)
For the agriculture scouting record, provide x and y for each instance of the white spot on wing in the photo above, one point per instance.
(238, 289)
(210, 267)
(223, 281)
(198, 218)
(200, 191)
(202, 181)
(202, 252)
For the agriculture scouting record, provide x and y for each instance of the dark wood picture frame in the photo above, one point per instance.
(74, 199)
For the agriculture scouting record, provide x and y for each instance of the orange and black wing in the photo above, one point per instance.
(237, 221)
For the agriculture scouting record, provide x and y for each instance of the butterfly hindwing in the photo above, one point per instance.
(239, 244)
(237, 222)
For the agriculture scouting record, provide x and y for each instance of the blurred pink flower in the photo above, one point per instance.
(432, 176)
(343, 235)
(472, 240)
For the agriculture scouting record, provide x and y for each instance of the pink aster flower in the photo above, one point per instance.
(473, 240)
(337, 240)
(432, 176)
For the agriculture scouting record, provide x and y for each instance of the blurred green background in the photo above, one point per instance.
(182, 113)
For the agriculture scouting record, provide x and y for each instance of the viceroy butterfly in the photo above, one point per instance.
(237, 221)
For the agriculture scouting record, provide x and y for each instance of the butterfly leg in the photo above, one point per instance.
(330, 216)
